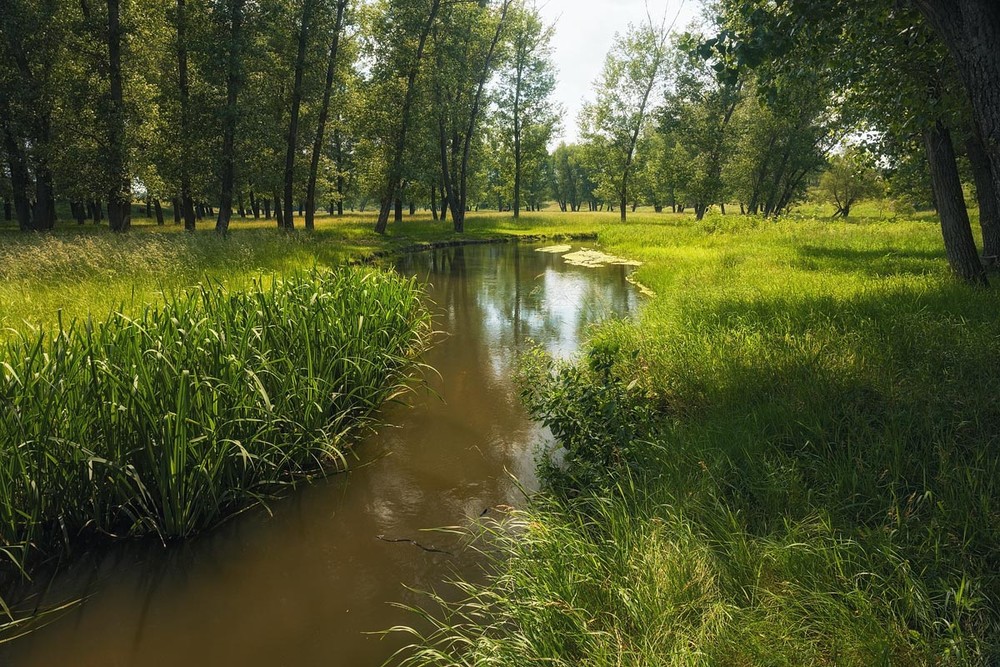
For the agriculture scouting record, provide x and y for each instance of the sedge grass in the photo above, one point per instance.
(164, 421)
(790, 458)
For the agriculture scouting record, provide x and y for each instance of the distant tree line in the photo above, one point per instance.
(269, 109)
(275, 109)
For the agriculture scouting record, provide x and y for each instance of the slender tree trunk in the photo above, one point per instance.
(278, 211)
(159, 212)
(434, 210)
(233, 77)
(19, 179)
(398, 210)
(458, 212)
(394, 174)
(291, 143)
(331, 70)
(254, 205)
(519, 79)
(120, 194)
(987, 196)
(44, 218)
(186, 201)
(176, 204)
(338, 148)
(959, 244)
(971, 31)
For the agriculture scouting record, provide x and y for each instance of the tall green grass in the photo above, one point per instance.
(792, 457)
(166, 420)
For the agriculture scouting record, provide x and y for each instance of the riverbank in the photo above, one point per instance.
(791, 458)
(81, 270)
(208, 386)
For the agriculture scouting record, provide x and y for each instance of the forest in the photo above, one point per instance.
(235, 233)
(280, 109)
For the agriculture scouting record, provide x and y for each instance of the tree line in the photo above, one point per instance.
(276, 108)
(268, 108)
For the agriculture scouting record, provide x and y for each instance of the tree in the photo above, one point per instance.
(465, 49)
(318, 143)
(849, 179)
(971, 31)
(883, 47)
(615, 121)
(527, 81)
(401, 21)
(234, 80)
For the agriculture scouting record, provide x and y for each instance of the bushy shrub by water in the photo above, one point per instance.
(165, 422)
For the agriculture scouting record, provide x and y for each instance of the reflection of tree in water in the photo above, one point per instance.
(503, 295)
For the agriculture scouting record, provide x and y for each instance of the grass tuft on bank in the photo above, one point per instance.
(790, 458)
(166, 420)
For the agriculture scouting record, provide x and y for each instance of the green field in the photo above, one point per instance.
(790, 458)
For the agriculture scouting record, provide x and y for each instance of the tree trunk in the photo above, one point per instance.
(434, 210)
(397, 215)
(176, 204)
(959, 244)
(458, 213)
(278, 211)
(394, 174)
(971, 31)
(186, 201)
(517, 136)
(229, 133)
(291, 142)
(986, 195)
(19, 179)
(331, 70)
(120, 194)
(254, 205)
(159, 211)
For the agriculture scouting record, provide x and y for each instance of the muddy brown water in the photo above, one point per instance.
(308, 581)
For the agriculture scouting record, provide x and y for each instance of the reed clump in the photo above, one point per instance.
(164, 422)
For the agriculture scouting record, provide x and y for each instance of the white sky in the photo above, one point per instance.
(585, 30)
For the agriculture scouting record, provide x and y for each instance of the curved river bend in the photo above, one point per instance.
(308, 582)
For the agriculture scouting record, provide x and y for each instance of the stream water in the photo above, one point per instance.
(308, 581)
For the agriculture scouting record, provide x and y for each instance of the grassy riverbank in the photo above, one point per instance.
(792, 458)
(81, 270)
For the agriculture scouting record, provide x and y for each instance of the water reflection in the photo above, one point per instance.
(303, 584)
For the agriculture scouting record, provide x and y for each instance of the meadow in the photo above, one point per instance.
(790, 457)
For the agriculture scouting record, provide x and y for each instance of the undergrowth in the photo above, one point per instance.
(164, 421)
(790, 458)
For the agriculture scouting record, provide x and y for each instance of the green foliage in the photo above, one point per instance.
(849, 179)
(789, 459)
(167, 420)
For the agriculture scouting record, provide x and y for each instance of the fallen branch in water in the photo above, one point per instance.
(432, 550)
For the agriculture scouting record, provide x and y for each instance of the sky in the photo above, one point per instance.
(585, 30)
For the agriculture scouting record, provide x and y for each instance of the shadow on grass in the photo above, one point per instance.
(875, 262)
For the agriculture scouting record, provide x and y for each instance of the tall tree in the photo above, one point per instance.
(466, 50)
(234, 78)
(524, 104)
(291, 142)
(406, 23)
(971, 31)
(318, 142)
(120, 193)
(186, 200)
(615, 121)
